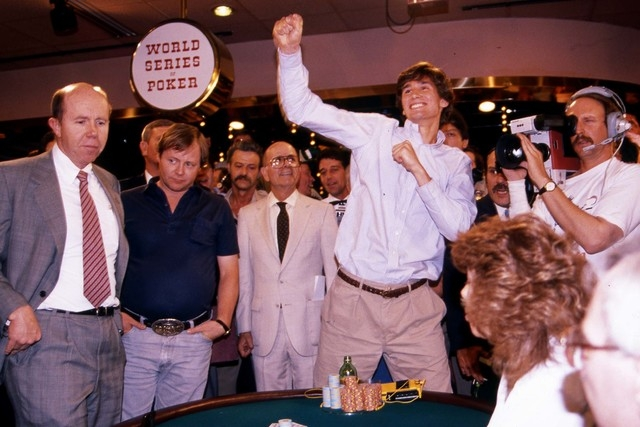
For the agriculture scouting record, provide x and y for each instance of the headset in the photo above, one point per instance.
(617, 124)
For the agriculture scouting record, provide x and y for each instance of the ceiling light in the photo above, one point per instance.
(236, 125)
(222, 11)
(487, 106)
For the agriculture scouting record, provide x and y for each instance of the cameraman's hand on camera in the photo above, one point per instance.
(535, 162)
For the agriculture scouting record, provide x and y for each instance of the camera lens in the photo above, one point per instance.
(509, 152)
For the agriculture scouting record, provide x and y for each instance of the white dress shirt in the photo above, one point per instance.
(68, 292)
(393, 231)
(274, 210)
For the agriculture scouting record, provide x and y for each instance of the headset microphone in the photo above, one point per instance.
(605, 142)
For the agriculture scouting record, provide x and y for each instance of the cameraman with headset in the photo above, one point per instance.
(598, 204)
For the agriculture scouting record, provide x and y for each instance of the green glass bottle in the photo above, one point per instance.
(347, 369)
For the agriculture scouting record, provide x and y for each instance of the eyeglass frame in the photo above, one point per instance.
(578, 340)
(278, 162)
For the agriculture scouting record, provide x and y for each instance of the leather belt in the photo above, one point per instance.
(98, 311)
(169, 326)
(384, 293)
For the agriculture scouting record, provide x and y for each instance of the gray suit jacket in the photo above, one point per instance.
(33, 232)
(266, 284)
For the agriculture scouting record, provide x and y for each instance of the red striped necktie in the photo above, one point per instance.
(94, 259)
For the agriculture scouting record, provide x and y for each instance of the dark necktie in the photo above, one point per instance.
(340, 206)
(94, 259)
(283, 228)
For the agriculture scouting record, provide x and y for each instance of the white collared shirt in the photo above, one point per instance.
(394, 231)
(68, 292)
(274, 210)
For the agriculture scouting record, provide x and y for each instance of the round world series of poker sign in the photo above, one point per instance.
(178, 67)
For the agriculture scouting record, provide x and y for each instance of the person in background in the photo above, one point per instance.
(179, 233)
(244, 157)
(610, 344)
(284, 275)
(527, 291)
(63, 359)
(456, 132)
(477, 171)
(48, 141)
(470, 354)
(409, 193)
(151, 135)
(594, 205)
(333, 165)
(306, 180)
(629, 152)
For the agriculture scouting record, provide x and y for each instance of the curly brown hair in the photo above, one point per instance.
(527, 285)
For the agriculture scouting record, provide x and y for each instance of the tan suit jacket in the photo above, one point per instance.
(268, 286)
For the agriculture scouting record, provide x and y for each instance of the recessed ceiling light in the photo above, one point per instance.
(487, 106)
(222, 11)
(236, 125)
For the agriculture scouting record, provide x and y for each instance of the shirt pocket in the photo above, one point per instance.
(204, 232)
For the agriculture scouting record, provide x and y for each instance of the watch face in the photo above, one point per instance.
(550, 186)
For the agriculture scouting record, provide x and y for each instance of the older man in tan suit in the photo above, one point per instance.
(286, 245)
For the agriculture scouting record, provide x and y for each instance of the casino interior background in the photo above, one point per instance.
(27, 40)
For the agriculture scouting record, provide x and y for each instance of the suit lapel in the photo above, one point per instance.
(49, 199)
(297, 228)
(264, 226)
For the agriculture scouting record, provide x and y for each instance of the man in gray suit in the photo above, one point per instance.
(63, 359)
(281, 277)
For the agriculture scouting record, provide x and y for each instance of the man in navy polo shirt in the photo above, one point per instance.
(178, 232)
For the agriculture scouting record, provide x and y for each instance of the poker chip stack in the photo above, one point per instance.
(360, 397)
(371, 396)
(351, 397)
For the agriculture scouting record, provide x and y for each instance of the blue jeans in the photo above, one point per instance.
(169, 370)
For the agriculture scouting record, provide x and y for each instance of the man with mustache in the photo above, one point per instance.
(597, 205)
(243, 157)
(244, 169)
(464, 347)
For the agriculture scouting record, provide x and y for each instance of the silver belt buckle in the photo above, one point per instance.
(167, 327)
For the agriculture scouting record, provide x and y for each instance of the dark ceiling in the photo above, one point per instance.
(27, 40)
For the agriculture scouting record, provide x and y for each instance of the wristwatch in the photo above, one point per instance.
(227, 329)
(548, 187)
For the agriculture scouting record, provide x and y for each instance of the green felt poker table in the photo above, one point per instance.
(264, 408)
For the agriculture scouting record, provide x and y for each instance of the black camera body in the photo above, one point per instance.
(548, 134)
(509, 153)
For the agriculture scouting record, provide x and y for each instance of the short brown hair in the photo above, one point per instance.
(181, 136)
(160, 123)
(420, 71)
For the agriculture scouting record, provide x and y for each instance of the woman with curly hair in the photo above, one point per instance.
(527, 290)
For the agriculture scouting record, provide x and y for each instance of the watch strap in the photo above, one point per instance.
(543, 189)
(227, 329)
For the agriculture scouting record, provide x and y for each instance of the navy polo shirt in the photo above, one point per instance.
(173, 256)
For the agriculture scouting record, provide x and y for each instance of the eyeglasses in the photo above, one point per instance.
(280, 161)
(578, 340)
